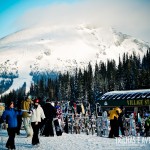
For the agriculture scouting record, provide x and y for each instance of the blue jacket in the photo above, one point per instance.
(11, 116)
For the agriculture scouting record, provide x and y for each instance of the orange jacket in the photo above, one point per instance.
(114, 113)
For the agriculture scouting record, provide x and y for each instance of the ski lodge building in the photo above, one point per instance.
(133, 100)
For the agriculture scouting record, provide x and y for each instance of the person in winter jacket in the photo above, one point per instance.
(26, 106)
(10, 115)
(36, 115)
(113, 115)
(50, 113)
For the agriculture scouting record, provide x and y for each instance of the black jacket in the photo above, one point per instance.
(49, 111)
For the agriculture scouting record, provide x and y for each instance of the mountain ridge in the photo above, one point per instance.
(61, 49)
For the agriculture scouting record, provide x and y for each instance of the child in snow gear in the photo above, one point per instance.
(10, 115)
(36, 114)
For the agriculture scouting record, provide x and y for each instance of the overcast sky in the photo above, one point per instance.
(131, 17)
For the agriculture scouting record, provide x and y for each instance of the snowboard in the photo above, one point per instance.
(57, 127)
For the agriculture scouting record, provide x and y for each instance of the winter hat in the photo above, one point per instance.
(36, 101)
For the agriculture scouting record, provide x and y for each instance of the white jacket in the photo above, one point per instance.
(37, 114)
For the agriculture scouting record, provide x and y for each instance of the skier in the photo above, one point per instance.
(10, 115)
(50, 113)
(36, 114)
(26, 106)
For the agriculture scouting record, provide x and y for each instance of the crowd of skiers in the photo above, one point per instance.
(35, 119)
(44, 119)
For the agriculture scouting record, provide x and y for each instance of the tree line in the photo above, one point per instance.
(131, 73)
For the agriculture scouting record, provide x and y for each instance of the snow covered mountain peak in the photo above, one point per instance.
(60, 49)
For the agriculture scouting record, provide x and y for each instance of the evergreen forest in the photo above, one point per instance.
(131, 73)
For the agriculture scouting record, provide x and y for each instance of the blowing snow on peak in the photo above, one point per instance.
(60, 49)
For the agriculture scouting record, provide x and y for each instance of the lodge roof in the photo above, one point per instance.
(130, 94)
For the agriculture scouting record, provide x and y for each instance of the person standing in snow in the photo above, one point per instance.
(37, 114)
(113, 115)
(26, 106)
(10, 115)
(50, 113)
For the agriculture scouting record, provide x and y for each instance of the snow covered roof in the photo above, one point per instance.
(130, 94)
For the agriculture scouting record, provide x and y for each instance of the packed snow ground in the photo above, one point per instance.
(76, 142)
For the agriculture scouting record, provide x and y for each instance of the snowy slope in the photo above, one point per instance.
(77, 142)
(61, 49)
